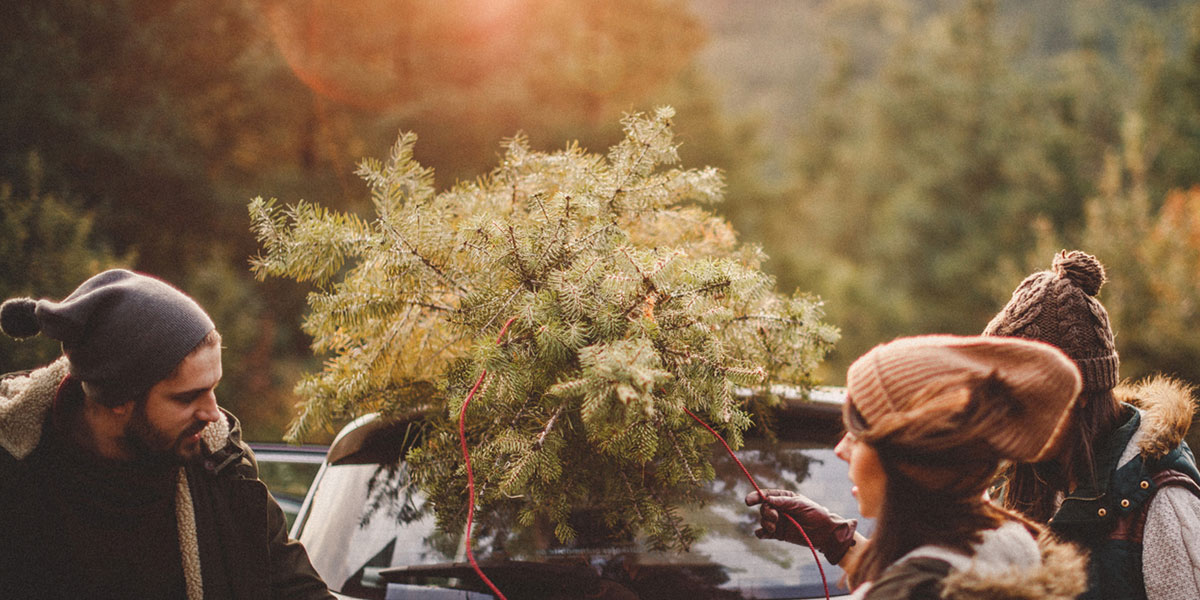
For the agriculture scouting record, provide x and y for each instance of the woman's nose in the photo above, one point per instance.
(842, 450)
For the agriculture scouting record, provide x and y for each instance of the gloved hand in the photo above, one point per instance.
(829, 533)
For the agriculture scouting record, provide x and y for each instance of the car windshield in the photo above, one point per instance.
(366, 531)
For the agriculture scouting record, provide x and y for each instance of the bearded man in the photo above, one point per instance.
(120, 477)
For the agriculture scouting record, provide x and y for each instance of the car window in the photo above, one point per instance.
(367, 519)
(288, 471)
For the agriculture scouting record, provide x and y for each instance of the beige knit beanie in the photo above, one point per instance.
(1059, 307)
(930, 384)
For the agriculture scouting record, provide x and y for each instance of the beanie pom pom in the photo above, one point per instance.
(18, 319)
(1082, 269)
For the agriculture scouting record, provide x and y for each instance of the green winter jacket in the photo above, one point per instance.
(1145, 501)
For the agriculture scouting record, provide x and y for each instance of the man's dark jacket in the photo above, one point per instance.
(233, 537)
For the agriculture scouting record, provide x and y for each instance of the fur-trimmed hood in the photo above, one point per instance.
(1008, 563)
(1062, 575)
(26, 398)
(1167, 406)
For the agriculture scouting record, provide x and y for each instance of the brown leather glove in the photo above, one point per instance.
(829, 533)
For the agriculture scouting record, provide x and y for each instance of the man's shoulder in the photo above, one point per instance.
(25, 399)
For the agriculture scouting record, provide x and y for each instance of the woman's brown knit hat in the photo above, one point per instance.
(950, 392)
(1059, 307)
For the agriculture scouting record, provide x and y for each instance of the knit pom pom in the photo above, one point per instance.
(1082, 269)
(17, 318)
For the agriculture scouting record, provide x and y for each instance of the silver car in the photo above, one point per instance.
(367, 535)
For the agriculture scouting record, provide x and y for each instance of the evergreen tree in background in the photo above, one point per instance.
(918, 183)
(1142, 219)
(1143, 222)
(48, 245)
(1151, 252)
(159, 119)
(628, 302)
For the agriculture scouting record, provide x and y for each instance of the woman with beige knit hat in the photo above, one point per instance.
(1121, 482)
(929, 421)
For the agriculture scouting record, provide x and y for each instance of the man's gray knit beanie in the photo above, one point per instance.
(118, 328)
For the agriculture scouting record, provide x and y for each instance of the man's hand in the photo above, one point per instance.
(829, 533)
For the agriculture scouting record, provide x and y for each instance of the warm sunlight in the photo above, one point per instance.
(374, 54)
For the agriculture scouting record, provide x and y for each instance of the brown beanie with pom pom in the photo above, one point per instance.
(1059, 307)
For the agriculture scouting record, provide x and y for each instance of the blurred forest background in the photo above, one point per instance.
(909, 161)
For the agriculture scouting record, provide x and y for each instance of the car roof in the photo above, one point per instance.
(291, 453)
(813, 414)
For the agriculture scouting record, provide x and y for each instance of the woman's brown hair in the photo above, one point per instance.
(1032, 488)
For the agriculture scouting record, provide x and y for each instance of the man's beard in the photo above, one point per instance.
(156, 448)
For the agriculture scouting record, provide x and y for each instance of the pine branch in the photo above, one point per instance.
(682, 538)
(527, 280)
(436, 270)
(772, 318)
(541, 438)
(711, 287)
(682, 460)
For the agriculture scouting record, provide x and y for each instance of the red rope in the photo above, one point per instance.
(462, 436)
(741, 466)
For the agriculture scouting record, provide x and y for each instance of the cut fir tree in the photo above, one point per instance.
(628, 302)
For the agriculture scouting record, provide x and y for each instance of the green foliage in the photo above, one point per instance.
(1151, 252)
(1170, 108)
(136, 107)
(47, 247)
(628, 300)
(920, 181)
(1141, 220)
(162, 117)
